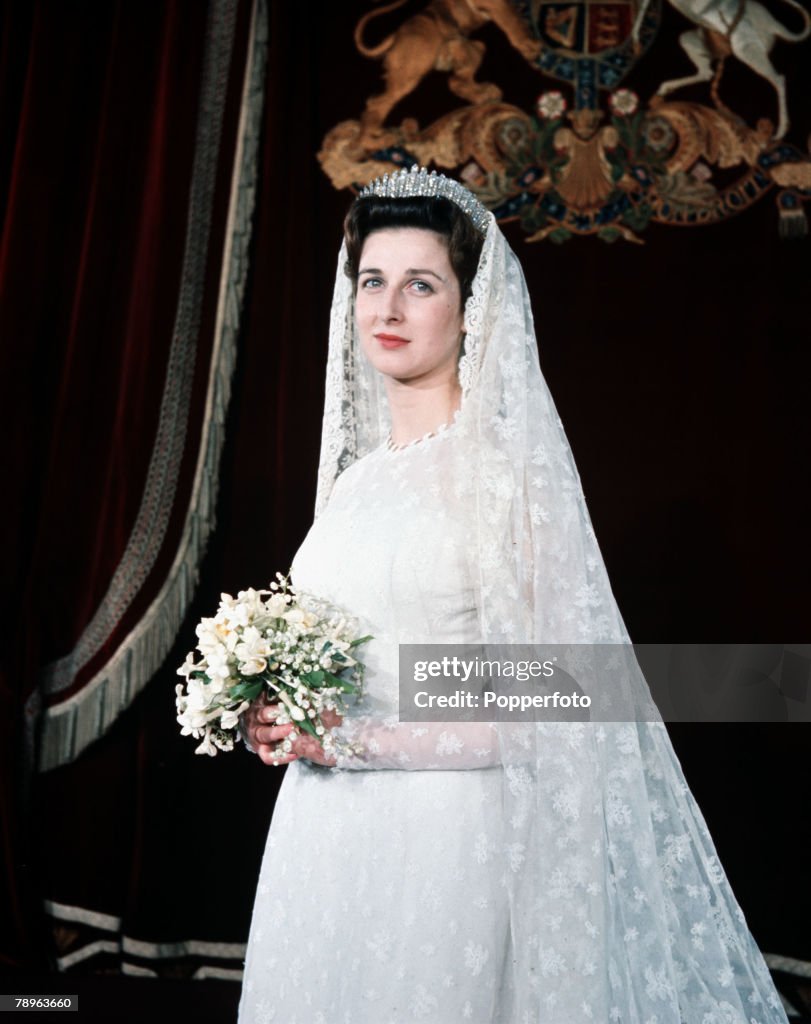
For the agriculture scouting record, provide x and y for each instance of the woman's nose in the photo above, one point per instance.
(390, 310)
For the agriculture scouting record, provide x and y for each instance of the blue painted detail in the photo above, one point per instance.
(609, 77)
(585, 93)
(552, 208)
(395, 155)
(512, 207)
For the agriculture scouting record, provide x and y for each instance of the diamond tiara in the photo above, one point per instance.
(419, 181)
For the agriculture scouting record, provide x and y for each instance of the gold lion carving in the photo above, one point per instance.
(436, 39)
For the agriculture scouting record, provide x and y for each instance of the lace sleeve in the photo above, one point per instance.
(375, 741)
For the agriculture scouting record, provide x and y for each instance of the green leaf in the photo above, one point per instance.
(609, 234)
(345, 685)
(559, 235)
(308, 725)
(361, 640)
(245, 691)
(638, 217)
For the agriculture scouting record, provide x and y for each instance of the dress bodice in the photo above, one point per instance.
(392, 549)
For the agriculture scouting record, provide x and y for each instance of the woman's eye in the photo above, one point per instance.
(422, 287)
(371, 282)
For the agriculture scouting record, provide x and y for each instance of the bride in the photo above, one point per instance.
(495, 873)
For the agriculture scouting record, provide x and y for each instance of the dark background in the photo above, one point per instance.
(680, 369)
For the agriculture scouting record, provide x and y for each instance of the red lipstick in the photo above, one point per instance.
(391, 340)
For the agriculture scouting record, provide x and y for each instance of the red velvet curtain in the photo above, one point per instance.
(101, 122)
(679, 369)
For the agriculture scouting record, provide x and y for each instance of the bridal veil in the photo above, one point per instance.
(619, 908)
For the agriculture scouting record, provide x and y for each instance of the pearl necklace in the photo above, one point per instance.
(392, 447)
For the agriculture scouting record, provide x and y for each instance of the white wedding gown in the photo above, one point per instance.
(383, 894)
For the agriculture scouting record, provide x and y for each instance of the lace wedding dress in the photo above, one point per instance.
(517, 873)
(384, 895)
(381, 897)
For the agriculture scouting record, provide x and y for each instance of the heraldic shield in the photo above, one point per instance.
(591, 156)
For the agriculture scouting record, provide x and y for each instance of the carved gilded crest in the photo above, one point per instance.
(592, 157)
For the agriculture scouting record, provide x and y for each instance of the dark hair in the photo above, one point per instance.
(434, 213)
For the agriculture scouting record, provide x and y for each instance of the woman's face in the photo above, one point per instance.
(408, 306)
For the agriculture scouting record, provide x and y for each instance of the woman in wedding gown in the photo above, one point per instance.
(517, 873)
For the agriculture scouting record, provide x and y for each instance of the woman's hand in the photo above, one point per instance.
(259, 726)
(309, 747)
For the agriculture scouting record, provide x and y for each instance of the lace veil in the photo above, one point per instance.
(620, 910)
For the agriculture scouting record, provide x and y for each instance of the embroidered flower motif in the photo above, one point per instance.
(423, 1004)
(481, 848)
(566, 802)
(658, 134)
(658, 984)
(448, 744)
(476, 957)
(516, 855)
(623, 102)
(588, 596)
(539, 515)
(552, 962)
(551, 105)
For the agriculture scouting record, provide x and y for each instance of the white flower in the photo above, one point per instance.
(208, 639)
(276, 605)
(207, 746)
(253, 652)
(246, 636)
(196, 707)
(300, 617)
(249, 605)
(188, 666)
(218, 664)
(293, 710)
(624, 102)
(230, 717)
(551, 105)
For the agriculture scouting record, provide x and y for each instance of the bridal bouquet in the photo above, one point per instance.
(296, 650)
